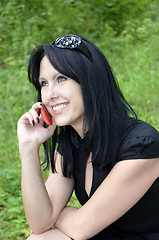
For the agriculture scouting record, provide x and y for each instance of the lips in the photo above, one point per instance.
(59, 107)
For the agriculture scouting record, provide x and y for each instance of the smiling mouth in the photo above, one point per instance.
(59, 107)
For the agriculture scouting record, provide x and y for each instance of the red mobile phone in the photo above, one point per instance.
(46, 116)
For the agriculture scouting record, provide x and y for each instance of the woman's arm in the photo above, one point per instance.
(124, 186)
(42, 204)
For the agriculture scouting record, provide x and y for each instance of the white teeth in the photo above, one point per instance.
(59, 107)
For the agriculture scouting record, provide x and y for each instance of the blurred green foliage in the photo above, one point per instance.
(24, 24)
(126, 31)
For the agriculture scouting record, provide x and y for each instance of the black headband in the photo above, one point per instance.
(71, 41)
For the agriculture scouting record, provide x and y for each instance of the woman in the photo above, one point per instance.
(99, 148)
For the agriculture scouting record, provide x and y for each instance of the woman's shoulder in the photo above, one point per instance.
(139, 129)
(143, 129)
(141, 141)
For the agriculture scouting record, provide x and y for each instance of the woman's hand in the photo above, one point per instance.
(31, 130)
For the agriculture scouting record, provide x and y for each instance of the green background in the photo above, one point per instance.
(126, 31)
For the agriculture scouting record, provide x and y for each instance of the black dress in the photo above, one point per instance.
(142, 220)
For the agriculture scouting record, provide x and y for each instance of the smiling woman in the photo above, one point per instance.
(62, 96)
(99, 149)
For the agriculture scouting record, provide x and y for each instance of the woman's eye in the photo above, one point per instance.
(61, 79)
(43, 83)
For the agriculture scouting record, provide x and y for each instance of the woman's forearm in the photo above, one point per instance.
(69, 223)
(37, 204)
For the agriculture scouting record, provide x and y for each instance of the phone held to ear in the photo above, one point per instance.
(46, 116)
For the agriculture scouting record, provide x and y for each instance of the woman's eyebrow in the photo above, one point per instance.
(41, 79)
(54, 76)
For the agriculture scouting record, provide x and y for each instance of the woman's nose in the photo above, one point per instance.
(52, 92)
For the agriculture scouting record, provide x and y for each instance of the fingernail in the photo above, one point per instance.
(37, 120)
(41, 104)
(33, 123)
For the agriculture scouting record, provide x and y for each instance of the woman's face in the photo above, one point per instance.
(62, 96)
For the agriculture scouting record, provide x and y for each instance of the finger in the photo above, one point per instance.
(41, 121)
(51, 128)
(35, 115)
(27, 118)
(35, 111)
(37, 106)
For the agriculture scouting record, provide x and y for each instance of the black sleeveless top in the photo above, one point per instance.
(142, 220)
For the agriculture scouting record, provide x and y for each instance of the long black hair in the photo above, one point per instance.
(106, 112)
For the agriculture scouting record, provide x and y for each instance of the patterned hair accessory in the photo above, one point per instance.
(71, 41)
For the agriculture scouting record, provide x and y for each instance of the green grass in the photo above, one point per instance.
(136, 68)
